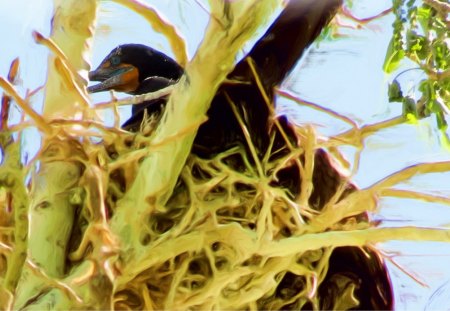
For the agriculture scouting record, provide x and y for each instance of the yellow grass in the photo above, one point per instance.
(137, 222)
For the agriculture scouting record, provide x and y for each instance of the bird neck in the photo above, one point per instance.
(161, 66)
(153, 84)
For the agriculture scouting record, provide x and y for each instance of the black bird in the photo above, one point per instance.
(137, 69)
(134, 68)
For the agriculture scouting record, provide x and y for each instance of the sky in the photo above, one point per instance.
(344, 75)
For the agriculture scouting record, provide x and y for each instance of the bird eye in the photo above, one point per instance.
(115, 60)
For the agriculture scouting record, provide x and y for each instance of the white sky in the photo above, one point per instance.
(344, 75)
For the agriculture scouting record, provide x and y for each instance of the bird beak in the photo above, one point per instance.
(110, 78)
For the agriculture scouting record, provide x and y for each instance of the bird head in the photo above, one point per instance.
(130, 66)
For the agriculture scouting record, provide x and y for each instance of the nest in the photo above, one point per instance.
(209, 247)
(280, 228)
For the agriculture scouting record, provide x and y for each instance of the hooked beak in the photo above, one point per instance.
(110, 78)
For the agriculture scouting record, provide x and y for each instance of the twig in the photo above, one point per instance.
(247, 137)
(440, 6)
(47, 42)
(443, 106)
(346, 12)
(349, 136)
(53, 283)
(5, 248)
(137, 99)
(409, 172)
(69, 74)
(159, 24)
(6, 100)
(303, 243)
(412, 276)
(288, 95)
(268, 102)
(34, 92)
(138, 154)
(70, 81)
(87, 124)
(38, 120)
(414, 195)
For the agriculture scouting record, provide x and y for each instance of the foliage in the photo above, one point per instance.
(421, 35)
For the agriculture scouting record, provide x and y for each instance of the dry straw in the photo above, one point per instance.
(114, 220)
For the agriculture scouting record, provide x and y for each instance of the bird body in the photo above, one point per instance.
(137, 69)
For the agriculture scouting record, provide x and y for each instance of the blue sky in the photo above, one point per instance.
(344, 75)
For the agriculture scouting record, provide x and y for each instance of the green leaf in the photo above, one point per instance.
(439, 24)
(424, 17)
(393, 57)
(426, 98)
(417, 44)
(445, 140)
(424, 12)
(409, 108)
(349, 4)
(394, 92)
(424, 87)
(441, 54)
(441, 122)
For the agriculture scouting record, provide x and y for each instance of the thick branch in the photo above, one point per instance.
(186, 107)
